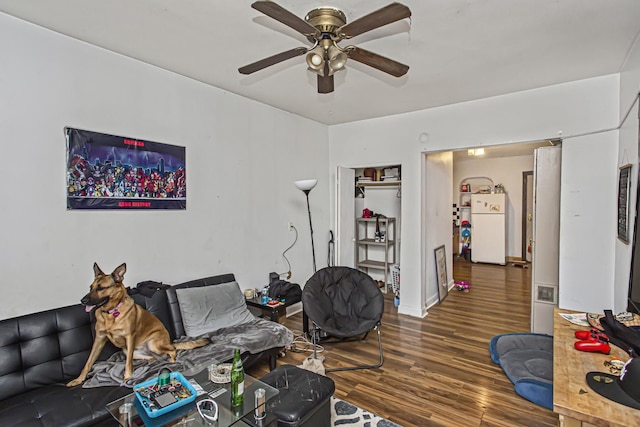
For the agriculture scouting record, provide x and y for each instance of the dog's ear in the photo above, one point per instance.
(96, 270)
(118, 273)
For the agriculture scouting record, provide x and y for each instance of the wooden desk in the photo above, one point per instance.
(574, 401)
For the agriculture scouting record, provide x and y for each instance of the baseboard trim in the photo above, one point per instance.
(412, 311)
(294, 309)
(432, 302)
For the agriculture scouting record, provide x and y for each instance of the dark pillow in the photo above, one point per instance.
(281, 289)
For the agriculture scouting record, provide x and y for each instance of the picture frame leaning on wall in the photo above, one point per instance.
(441, 272)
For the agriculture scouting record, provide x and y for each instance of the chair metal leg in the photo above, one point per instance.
(313, 337)
(353, 368)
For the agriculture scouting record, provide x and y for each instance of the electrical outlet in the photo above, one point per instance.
(290, 226)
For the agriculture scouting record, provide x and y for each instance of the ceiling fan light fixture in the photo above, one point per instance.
(475, 152)
(315, 60)
(337, 59)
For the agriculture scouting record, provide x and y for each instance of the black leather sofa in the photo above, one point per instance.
(41, 352)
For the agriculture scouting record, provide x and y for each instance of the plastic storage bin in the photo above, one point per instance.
(175, 376)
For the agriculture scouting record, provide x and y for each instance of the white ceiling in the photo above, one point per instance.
(458, 50)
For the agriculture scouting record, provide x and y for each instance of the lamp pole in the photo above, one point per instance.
(306, 185)
(313, 248)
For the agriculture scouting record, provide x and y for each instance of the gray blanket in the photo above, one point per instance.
(254, 337)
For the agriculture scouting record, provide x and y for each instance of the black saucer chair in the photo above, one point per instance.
(343, 304)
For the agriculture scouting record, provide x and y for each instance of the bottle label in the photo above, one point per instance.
(241, 388)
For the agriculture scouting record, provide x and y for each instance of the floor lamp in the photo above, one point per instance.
(306, 185)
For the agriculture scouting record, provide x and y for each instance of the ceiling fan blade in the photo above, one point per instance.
(282, 15)
(379, 62)
(272, 60)
(379, 18)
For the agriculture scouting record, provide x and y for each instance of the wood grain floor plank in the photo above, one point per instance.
(437, 370)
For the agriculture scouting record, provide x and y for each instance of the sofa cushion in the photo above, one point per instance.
(43, 348)
(56, 405)
(177, 328)
(155, 303)
(209, 308)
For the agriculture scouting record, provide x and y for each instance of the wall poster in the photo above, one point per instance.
(624, 186)
(115, 172)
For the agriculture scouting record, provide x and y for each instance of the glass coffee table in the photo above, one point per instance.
(129, 413)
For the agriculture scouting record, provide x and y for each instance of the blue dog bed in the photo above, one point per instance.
(527, 360)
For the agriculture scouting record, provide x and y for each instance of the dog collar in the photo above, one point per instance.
(114, 311)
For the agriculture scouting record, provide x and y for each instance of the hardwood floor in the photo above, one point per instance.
(437, 370)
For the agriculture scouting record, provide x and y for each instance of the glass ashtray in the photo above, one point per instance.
(220, 374)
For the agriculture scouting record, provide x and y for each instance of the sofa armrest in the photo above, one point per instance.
(43, 348)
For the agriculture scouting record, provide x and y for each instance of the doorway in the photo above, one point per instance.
(504, 168)
(369, 242)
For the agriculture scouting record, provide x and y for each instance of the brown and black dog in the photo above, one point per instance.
(127, 325)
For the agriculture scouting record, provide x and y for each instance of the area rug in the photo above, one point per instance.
(346, 414)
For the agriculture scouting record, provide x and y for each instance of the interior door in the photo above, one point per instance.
(546, 238)
(527, 237)
(345, 217)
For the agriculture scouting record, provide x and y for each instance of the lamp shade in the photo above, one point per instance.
(306, 184)
(337, 59)
(315, 60)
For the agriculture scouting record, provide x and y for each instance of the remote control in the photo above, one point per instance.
(593, 346)
(217, 392)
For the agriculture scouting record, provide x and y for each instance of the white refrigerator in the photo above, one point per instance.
(489, 228)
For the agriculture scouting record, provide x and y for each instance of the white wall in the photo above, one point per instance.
(588, 194)
(570, 109)
(242, 159)
(436, 213)
(627, 153)
(506, 171)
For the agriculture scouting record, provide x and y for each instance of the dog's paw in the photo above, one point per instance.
(75, 382)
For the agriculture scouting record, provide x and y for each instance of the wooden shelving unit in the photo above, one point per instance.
(365, 229)
(378, 183)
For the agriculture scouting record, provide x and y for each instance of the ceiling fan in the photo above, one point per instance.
(325, 27)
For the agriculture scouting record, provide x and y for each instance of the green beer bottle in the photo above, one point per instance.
(237, 380)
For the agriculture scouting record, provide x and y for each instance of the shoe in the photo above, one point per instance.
(592, 334)
(593, 346)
